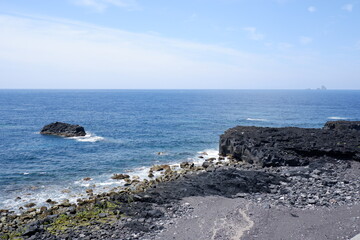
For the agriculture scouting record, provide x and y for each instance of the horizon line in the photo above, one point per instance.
(182, 89)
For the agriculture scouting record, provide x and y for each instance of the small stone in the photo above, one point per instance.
(120, 176)
(89, 191)
(206, 164)
(240, 195)
(30, 205)
(210, 168)
(186, 165)
(43, 209)
(65, 203)
(31, 210)
(72, 210)
(102, 215)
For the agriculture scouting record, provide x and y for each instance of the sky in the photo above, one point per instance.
(187, 44)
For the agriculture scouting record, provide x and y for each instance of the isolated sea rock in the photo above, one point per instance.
(292, 146)
(63, 129)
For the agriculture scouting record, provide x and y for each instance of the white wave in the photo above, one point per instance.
(18, 199)
(89, 137)
(98, 184)
(338, 118)
(26, 173)
(257, 119)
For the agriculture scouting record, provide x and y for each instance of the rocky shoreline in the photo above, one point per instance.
(145, 209)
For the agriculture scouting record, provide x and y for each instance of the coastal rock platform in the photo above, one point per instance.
(63, 129)
(291, 146)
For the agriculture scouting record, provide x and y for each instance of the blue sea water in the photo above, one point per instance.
(127, 128)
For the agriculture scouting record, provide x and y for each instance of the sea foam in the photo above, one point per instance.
(338, 118)
(99, 184)
(89, 137)
(257, 119)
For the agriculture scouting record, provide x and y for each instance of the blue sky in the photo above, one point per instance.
(197, 44)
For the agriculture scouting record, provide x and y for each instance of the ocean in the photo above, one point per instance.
(126, 129)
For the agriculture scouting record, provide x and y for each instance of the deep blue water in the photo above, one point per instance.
(128, 128)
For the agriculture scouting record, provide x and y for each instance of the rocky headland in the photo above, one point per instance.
(63, 130)
(292, 146)
(267, 183)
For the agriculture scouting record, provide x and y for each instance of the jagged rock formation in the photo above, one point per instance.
(292, 146)
(63, 129)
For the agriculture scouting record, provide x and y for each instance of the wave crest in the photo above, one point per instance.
(89, 137)
(338, 118)
(257, 119)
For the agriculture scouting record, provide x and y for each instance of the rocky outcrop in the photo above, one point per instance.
(342, 125)
(63, 129)
(292, 146)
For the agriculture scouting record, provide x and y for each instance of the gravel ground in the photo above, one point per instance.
(315, 202)
(222, 218)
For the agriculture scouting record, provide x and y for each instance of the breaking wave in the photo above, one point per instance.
(257, 119)
(338, 118)
(89, 137)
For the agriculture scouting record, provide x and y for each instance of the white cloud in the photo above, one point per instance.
(55, 53)
(127, 4)
(348, 7)
(94, 4)
(102, 5)
(253, 34)
(305, 40)
(284, 46)
(311, 9)
(50, 53)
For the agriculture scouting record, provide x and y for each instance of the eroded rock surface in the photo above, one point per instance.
(292, 146)
(63, 129)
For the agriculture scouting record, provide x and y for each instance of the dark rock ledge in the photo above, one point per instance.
(63, 129)
(291, 146)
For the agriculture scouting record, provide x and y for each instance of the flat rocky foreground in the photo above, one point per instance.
(275, 215)
(229, 201)
(226, 198)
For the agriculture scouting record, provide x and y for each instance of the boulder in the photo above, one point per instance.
(120, 176)
(187, 165)
(63, 129)
(292, 146)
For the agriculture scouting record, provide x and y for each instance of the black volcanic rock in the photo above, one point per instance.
(342, 125)
(292, 146)
(63, 129)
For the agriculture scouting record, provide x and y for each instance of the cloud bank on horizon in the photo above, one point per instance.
(133, 44)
